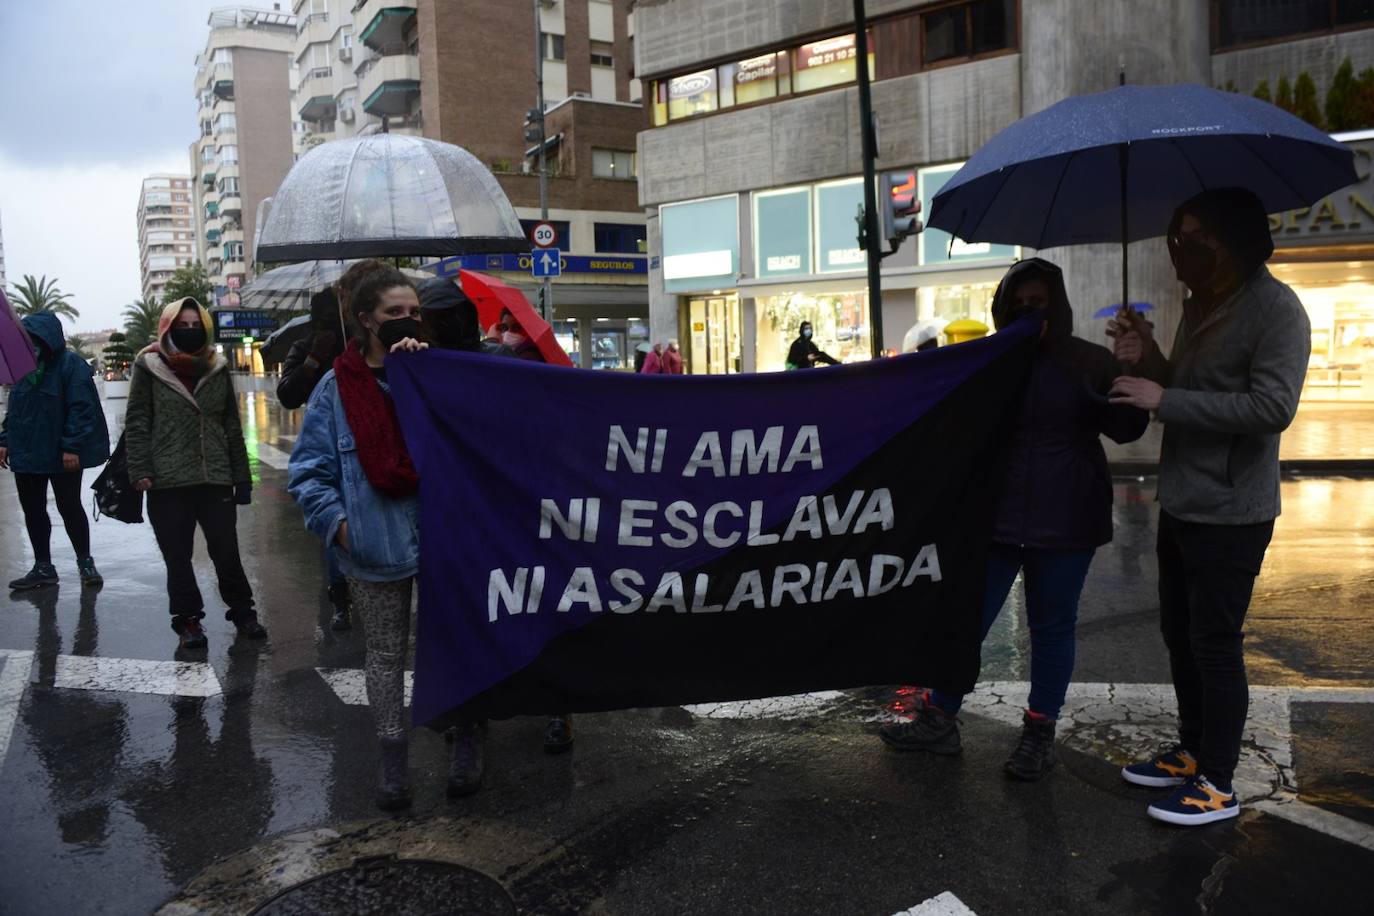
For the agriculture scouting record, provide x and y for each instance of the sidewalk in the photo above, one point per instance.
(1326, 436)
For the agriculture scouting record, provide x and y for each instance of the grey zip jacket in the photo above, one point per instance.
(1231, 387)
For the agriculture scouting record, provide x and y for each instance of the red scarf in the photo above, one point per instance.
(372, 417)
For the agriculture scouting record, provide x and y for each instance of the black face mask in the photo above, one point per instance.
(1194, 263)
(392, 332)
(188, 340)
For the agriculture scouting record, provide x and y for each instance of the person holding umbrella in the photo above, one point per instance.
(804, 354)
(1226, 392)
(53, 428)
(1054, 512)
(306, 363)
(185, 448)
(355, 482)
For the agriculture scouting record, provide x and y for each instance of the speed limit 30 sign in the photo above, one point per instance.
(544, 235)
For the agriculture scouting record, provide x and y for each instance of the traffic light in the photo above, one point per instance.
(899, 206)
(534, 125)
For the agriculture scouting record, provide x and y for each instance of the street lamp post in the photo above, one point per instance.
(872, 241)
(546, 299)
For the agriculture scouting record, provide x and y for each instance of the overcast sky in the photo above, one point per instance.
(94, 95)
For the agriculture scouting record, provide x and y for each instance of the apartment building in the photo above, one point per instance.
(750, 162)
(166, 230)
(475, 86)
(245, 147)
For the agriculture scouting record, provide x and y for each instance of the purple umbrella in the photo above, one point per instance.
(17, 358)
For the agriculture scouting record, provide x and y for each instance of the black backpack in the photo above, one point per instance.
(115, 495)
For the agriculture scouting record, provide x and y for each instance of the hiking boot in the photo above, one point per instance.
(558, 735)
(246, 623)
(1195, 803)
(190, 632)
(1034, 754)
(393, 775)
(341, 620)
(464, 760)
(931, 729)
(42, 574)
(1173, 767)
(89, 574)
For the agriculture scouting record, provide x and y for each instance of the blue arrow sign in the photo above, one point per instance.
(546, 262)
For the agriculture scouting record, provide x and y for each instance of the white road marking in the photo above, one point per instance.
(794, 707)
(1318, 819)
(136, 675)
(945, 904)
(14, 677)
(350, 684)
(273, 457)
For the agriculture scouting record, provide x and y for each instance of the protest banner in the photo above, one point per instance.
(595, 540)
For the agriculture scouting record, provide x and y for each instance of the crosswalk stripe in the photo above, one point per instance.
(136, 675)
(350, 684)
(14, 677)
(272, 456)
(945, 904)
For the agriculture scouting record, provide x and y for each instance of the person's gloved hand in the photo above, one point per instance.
(323, 345)
(243, 493)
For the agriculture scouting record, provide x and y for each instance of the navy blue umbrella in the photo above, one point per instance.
(1113, 167)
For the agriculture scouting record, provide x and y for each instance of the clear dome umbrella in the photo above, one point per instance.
(387, 195)
(289, 288)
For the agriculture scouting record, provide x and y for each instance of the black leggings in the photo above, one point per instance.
(33, 499)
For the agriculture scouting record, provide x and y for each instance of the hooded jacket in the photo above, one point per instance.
(182, 438)
(1058, 492)
(59, 414)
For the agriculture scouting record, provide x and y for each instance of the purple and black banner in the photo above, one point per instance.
(596, 540)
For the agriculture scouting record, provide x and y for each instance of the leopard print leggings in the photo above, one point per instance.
(385, 609)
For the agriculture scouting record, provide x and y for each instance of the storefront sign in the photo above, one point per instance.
(782, 232)
(1342, 218)
(233, 325)
(618, 264)
(693, 84)
(830, 51)
(700, 243)
(837, 233)
(935, 243)
(756, 68)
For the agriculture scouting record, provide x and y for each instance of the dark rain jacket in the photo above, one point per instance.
(61, 413)
(1058, 492)
(298, 377)
(803, 347)
(181, 439)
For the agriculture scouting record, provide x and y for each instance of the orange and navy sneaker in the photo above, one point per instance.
(1173, 767)
(1194, 803)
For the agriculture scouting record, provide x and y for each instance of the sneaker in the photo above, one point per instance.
(464, 760)
(1173, 767)
(341, 620)
(558, 735)
(246, 623)
(89, 574)
(189, 631)
(1194, 803)
(41, 575)
(931, 729)
(1034, 754)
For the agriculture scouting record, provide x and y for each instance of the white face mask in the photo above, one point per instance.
(512, 339)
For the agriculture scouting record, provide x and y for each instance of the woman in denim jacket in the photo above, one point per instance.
(354, 480)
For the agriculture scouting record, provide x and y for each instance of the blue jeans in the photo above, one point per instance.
(1054, 580)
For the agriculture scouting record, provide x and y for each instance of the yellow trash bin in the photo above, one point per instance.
(965, 329)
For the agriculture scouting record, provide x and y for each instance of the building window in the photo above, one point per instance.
(832, 62)
(607, 163)
(692, 94)
(228, 154)
(553, 46)
(1240, 22)
(967, 30)
(602, 54)
(619, 238)
(228, 185)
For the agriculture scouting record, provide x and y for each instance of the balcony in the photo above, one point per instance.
(211, 236)
(207, 177)
(227, 169)
(386, 21)
(231, 205)
(313, 29)
(317, 88)
(388, 85)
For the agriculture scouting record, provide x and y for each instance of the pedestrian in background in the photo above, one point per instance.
(804, 354)
(1054, 512)
(672, 359)
(54, 427)
(354, 480)
(448, 318)
(185, 447)
(508, 333)
(306, 363)
(1228, 389)
(653, 362)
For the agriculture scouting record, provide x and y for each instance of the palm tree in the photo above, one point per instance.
(78, 346)
(140, 322)
(42, 295)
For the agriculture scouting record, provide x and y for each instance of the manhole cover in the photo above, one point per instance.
(395, 887)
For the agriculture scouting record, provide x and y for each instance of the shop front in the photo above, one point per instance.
(701, 264)
(1326, 254)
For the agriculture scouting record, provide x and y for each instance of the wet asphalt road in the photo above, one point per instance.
(127, 801)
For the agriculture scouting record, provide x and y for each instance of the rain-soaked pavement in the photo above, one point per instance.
(129, 784)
